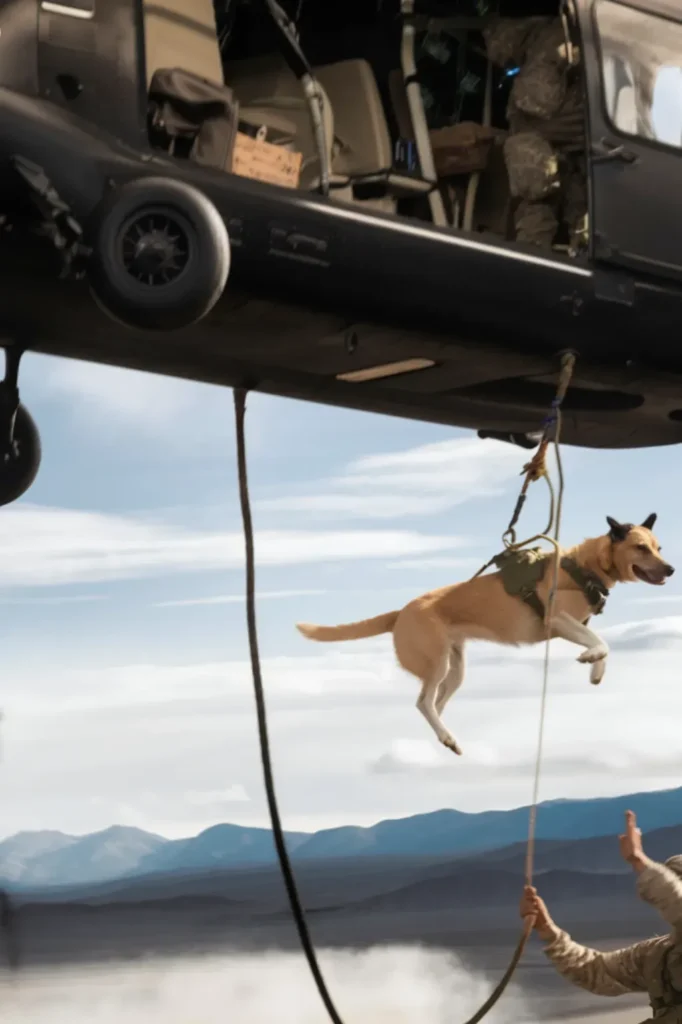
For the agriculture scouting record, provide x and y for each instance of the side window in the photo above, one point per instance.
(641, 56)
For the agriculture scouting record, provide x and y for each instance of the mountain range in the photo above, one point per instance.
(573, 834)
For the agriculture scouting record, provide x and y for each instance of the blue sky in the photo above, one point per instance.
(126, 688)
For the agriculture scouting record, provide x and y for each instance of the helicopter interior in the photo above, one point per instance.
(413, 106)
(405, 102)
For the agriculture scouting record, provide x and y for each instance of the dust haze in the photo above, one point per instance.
(383, 985)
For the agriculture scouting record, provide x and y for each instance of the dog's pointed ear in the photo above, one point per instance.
(617, 531)
(648, 523)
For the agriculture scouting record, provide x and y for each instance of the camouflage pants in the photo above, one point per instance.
(549, 190)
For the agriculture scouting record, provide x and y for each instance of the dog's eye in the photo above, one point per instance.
(643, 547)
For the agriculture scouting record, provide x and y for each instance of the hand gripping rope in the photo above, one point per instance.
(535, 469)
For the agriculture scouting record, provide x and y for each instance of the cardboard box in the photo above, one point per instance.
(462, 148)
(255, 158)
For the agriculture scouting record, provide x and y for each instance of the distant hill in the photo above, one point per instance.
(44, 859)
(598, 854)
(19, 851)
(218, 846)
(476, 887)
(52, 858)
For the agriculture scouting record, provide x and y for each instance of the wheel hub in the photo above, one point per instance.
(155, 248)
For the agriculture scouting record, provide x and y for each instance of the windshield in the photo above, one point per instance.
(642, 72)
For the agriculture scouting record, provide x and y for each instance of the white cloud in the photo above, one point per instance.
(112, 406)
(217, 797)
(43, 546)
(444, 562)
(426, 758)
(144, 739)
(62, 599)
(334, 675)
(630, 761)
(409, 755)
(264, 595)
(420, 481)
(129, 397)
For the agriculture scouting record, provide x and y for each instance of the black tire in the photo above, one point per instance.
(19, 469)
(161, 254)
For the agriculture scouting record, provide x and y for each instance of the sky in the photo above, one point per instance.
(126, 689)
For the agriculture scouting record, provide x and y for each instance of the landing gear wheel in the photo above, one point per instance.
(161, 254)
(20, 461)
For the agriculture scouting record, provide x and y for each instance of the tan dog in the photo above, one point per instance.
(429, 633)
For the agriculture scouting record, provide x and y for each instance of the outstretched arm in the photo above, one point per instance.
(604, 974)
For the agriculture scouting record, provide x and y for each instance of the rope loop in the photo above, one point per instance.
(536, 469)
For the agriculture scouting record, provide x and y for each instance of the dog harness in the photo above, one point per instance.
(521, 570)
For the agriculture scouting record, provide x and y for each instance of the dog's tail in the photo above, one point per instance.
(350, 630)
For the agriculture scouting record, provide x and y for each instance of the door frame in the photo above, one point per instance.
(604, 141)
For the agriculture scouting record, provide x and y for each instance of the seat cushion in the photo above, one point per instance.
(182, 34)
(359, 118)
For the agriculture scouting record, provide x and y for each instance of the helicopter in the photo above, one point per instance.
(252, 193)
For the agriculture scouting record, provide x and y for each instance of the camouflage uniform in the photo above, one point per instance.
(545, 149)
(653, 966)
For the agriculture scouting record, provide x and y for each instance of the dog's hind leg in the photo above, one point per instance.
(423, 648)
(436, 692)
(453, 680)
(426, 703)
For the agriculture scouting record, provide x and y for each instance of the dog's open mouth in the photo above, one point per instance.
(655, 579)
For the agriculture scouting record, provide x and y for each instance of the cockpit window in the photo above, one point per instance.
(641, 56)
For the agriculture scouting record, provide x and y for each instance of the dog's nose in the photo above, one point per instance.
(669, 570)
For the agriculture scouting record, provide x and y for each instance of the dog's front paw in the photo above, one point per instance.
(597, 671)
(592, 654)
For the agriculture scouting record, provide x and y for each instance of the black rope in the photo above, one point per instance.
(500, 988)
(277, 832)
(8, 925)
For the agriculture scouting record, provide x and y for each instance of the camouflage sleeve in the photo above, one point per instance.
(603, 974)
(662, 888)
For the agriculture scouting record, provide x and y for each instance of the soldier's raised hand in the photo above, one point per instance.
(631, 848)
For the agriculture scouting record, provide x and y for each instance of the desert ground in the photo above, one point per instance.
(196, 960)
(396, 984)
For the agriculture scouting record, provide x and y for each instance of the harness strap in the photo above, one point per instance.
(522, 570)
(594, 589)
